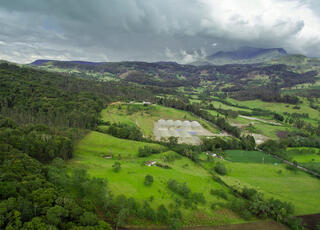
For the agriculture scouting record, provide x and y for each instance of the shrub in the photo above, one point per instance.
(220, 168)
(116, 166)
(148, 180)
(180, 188)
(148, 150)
(162, 214)
(175, 224)
(220, 193)
(198, 198)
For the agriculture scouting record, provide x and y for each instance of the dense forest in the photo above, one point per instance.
(42, 116)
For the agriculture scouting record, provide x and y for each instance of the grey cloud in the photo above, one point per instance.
(179, 30)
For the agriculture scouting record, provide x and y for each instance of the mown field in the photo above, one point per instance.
(145, 116)
(129, 181)
(273, 179)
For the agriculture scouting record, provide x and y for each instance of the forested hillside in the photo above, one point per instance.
(42, 116)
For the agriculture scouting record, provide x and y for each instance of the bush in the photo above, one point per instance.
(220, 193)
(162, 214)
(220, 168)
(148, 180)
(180, 188)
(175, 224)
(116, 166)
(198, 198)
(148, 150)
(291, 168)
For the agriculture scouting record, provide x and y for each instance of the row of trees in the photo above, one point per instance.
(254, 203)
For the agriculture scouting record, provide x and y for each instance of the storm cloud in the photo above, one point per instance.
(153, 30)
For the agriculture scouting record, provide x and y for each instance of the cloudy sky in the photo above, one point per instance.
(153, 30)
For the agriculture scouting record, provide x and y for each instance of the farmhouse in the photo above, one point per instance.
(146, 103)
(107, 156)
(151, 163)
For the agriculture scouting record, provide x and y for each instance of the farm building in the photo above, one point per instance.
(151, 163)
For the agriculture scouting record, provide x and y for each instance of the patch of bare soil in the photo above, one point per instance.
(259, 138)
(311, 221)
(259, 225)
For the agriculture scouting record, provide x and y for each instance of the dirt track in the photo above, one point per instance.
(259, 225)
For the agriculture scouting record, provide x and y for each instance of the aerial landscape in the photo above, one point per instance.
(156, 115)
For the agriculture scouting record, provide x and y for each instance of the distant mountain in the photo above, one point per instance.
(243, 55)
(44, 61)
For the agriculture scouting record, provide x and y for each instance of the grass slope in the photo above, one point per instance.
(274, 180)
(129, 181)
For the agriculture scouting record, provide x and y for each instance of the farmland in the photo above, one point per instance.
(146, 116)
(274, 179)
(306, 157)
(129, 180)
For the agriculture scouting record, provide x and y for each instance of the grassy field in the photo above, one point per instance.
(307, 157)
(249, 157)
(129, 181)
(274, 180)
(145, 116)
(259, 127)
(281, 107)
(218, 104)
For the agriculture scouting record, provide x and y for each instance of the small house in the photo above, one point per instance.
(151, 163)
(107, 156)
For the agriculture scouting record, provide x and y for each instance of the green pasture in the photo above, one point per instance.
(271, 130)
(218, 104)
(269, 176)
(280, 107)
(276, 181)
(89, 154)
(260, 127)
(304, 154)
(306, 157)
(243, 156)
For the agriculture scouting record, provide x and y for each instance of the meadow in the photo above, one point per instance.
(129, 181)
(273, 179)
(306, 157)
(281, 107)
(145, 116)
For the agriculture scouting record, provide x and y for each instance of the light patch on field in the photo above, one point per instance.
(259, 138)
(187, 132)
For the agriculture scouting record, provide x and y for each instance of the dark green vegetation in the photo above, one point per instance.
(74, 150)
(249, 157)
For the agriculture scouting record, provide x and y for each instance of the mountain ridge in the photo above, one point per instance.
(243, 55)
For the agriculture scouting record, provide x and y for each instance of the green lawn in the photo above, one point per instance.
(129, 181)
(275, 180)
(146, 116)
